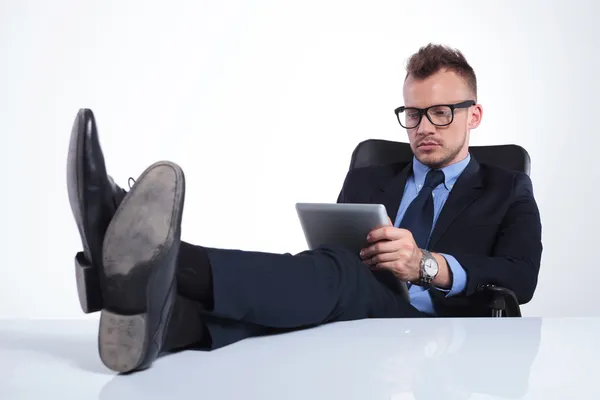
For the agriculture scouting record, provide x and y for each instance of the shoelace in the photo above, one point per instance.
(129, 182)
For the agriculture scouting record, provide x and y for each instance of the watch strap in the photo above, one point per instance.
(425, 279)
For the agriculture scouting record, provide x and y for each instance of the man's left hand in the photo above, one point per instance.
(393, 249)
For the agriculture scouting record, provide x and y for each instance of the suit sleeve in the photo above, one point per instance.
(343, 195)
(515, 259)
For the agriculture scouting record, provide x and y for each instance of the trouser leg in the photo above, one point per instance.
(255, 293)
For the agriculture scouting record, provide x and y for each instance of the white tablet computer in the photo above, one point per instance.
(343, 225)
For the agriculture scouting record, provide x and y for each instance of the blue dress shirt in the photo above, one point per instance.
(419, 296)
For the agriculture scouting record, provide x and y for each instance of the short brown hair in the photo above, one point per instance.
(432, 58)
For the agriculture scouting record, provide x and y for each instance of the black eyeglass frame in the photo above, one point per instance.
(424, 111)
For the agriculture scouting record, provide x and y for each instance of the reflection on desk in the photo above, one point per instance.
(440, 358)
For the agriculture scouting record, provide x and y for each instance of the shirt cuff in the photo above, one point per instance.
(459, 276)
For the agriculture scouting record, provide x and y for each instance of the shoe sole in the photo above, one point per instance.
(142, 232)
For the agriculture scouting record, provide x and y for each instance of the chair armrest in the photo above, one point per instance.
(503, 302)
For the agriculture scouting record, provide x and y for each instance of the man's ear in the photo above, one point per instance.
(475, 117)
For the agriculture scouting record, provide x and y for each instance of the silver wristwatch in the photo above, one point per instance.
(428, 270)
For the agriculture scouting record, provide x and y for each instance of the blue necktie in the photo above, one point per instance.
(418, 218)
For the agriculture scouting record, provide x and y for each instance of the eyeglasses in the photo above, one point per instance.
(438, 115)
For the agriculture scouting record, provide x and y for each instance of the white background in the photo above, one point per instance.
(262, 103)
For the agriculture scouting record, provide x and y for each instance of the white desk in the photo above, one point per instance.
(372, 359)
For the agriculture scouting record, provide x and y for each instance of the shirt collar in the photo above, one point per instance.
(451, 172)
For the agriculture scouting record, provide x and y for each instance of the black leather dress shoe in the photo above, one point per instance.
(140, 253)
(94, 199)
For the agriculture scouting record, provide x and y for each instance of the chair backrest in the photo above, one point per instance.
(374, 152)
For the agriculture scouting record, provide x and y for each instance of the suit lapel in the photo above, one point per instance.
(392, 191)
(465, 191)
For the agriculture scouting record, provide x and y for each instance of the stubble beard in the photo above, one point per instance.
(446, 157)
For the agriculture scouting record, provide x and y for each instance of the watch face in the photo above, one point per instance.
(430, 266)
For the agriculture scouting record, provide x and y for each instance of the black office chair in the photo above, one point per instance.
(502, 302)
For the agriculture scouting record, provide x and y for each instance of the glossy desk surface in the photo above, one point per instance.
(525, 358)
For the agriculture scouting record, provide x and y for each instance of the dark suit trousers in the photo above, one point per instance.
(259, 293)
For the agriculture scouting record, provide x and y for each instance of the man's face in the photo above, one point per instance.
(439, 146)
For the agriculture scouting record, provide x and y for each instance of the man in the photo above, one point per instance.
(457, 224)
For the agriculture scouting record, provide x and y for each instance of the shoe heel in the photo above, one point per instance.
(123, 340)
(88, 285)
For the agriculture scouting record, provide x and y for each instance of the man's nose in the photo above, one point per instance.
(425, 127)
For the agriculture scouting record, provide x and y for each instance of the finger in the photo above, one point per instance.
(387, 232)
(383, 258)
(384, 246)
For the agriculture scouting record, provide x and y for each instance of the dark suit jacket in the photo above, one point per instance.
(490, 223)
